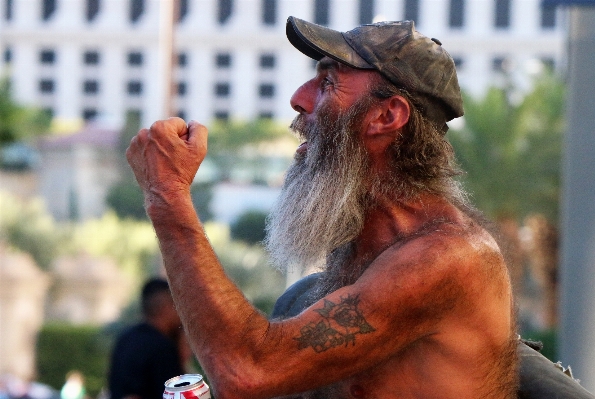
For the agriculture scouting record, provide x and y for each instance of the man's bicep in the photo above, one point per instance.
(335, 321)
(346, 332)
(398, 300)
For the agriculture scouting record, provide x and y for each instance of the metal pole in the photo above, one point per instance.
(166, 54)
(577, 273)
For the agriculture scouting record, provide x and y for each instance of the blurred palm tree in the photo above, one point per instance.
(511, 152)
(19, 123)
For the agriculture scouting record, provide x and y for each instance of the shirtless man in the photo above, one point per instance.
(414, 300)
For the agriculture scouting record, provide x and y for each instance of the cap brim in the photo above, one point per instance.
(317, 41)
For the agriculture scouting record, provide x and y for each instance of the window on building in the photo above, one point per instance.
(458, 62)
(182, 59)
(267, 61)
(134, 88)
(548, 16)
(366, 11)
(222, 115)
(321, 12)
(266, 90)
(135, 58)
(412, 10)
(91, 58)
(222, 89)
(500, 64)
(269, 12)
(224, 10)
(8, 8)
(137, 8)
(223, 60)
(47, 57)
(181, 89)
(502, 14)
(48, 8)
(92, 10)
(89, 114)
(7, 55)
(46, 86)
(90, 87)
(182, 9)
(456, 15)
(266, 115)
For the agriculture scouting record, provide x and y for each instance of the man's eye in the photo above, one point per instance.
(326, 82)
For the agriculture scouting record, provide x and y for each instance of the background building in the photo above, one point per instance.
(101, 58)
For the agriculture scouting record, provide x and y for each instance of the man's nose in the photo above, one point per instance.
(304, 97)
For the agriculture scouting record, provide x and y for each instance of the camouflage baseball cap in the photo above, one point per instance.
(405, 57)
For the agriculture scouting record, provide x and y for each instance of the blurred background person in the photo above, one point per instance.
(148, 354)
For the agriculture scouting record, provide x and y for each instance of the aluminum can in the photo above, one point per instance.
(186, 386)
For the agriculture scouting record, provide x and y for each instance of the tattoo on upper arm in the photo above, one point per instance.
(339, 325)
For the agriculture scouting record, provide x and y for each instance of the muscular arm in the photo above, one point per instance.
(391, 306)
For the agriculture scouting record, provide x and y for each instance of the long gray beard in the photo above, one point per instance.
(323, 202)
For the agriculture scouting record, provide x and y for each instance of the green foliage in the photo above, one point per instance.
(18, 123)
(202, 195)
(127, 200)
(228, 137)
(230, 143)
(27, 226)
(130, 243)
(511, 153)
(250, 227)
(131, 128)
(125, 197)
(64, 347)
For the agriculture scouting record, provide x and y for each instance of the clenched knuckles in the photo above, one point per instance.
(167, 156)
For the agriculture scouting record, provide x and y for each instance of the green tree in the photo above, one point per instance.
(125, 197)
(130, 243)
(511, 152)
(26, 225)
(229, 142)
(19, 123)
(202, 194)
(250, 227)
(64, 347)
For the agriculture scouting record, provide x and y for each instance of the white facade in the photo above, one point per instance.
(121, 72)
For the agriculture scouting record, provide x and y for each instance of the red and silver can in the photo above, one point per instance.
(187, 386)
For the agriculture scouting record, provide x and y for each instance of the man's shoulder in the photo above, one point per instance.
(458, 260)
(445, 244)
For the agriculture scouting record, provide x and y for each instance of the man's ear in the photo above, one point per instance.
(391, 115)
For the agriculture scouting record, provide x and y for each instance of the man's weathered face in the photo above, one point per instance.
(322, 204)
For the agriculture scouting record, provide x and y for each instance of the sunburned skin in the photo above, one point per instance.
(469, 354)
(421, 308)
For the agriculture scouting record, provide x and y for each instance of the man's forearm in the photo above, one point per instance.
(220, 322)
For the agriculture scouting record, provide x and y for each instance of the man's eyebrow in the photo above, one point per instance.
(326, 64)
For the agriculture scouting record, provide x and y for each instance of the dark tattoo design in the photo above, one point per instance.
(339, 325)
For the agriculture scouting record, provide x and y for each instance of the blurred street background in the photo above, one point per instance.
(78, 78)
